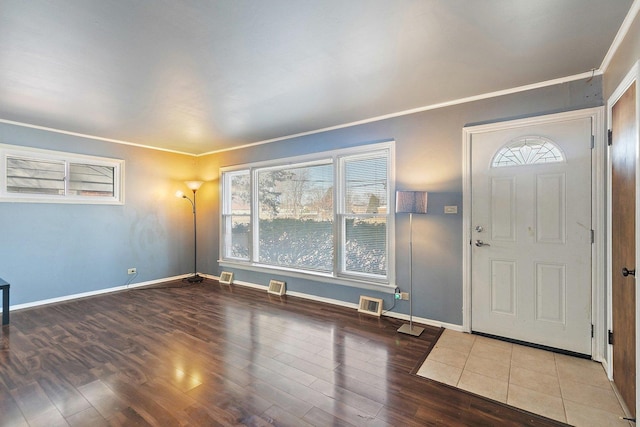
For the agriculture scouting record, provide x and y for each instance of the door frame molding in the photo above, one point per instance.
(598, 204)
(632, 76)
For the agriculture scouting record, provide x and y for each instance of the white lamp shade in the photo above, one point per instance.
(194, 185)
(411, 202)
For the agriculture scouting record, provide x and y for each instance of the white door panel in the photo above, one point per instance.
(531, 276)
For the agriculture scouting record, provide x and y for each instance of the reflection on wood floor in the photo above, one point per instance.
(209, 355)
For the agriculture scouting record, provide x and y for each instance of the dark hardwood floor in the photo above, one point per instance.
(209, 355)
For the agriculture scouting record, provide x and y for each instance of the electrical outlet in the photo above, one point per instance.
(132, 271)
(405, 295)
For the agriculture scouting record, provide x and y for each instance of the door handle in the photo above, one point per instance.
(480, 243)
(626, 272)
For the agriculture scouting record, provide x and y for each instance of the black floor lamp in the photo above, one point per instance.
(411, 202)
(194, 186)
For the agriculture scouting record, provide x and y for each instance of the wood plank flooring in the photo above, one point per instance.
(212, 355)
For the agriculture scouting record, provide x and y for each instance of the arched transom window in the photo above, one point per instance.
(529, 150)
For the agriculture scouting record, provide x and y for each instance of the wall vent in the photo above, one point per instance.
(226, 278)
(370, 305)
(276, 287)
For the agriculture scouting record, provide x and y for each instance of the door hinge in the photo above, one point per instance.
(593, 237)
(593, 142)
(609, 137)
(591, 331)
(611, 337)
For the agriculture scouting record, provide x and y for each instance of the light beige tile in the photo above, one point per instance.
(487, 367)
(537, 362)
(538, 403)
(455, 335)
(440, 372)
(586, 416)
(450, 333)
(494, 343)
(448, 356)
(484, 386)
(587, 363)
(536, 381)
(525, 354)
(595, 397)
(582, 371)
(456, 341)
(501, 354)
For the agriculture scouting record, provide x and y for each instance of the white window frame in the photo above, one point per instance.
(7, 151)
(226, 213)
(341, 215)
(336, 157)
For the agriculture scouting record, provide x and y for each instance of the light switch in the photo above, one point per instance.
(451, 209)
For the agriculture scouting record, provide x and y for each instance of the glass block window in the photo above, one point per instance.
(530, 150)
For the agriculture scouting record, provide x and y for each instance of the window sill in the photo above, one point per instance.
(316, 277)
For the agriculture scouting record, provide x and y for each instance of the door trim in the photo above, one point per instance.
(598, 203)
(632, 76)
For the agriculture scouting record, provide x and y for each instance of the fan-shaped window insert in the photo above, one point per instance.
(530, 150)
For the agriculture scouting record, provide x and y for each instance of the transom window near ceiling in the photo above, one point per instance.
(35, 175)
(326, 214)
(530, 150)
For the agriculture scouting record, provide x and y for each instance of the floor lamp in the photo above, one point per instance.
(194, 186)
(411, 202)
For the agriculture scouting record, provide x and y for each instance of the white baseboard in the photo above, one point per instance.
(93, 293)
(421, 320)
(332, 301)
(605, 366)
(425, 321)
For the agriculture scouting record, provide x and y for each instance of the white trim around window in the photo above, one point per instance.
(341, 201)
(33, 175)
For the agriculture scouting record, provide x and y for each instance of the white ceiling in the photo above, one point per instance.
(197, 76)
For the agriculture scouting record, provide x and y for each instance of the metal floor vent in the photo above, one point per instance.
(226, 278)
(276, 287)
(370, 305)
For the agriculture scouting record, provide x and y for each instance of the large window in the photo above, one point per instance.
(295, 217)
(325, 214)
(364, 213)
(34, 175)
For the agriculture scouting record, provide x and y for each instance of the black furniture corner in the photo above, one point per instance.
(5, 301)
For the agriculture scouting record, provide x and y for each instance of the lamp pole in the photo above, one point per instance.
(411, 202)
(194, 186)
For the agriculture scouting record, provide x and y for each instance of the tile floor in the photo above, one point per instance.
(572, 390)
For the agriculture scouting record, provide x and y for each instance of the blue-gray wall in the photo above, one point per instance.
(55, 250)
(428, 157)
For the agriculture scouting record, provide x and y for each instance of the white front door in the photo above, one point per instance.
(531, 233)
